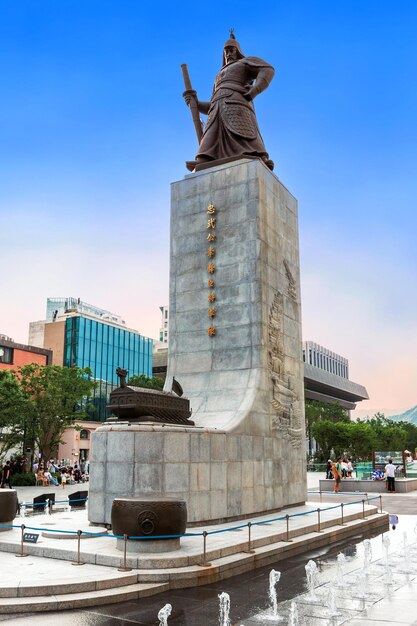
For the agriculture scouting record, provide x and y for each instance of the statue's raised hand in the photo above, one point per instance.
(190, 94)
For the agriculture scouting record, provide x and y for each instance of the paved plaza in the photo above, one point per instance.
(130, 593)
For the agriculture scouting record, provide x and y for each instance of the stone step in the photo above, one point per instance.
(77, 584)
(78, 600)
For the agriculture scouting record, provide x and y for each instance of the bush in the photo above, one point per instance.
(23, 480)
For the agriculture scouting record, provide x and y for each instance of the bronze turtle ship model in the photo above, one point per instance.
(139, 404)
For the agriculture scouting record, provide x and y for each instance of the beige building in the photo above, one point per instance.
(43, 333)
(76, 443)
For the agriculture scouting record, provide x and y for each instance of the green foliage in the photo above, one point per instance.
(330, 435)
(24, 480)
(316, 412)
(411, 434)
(38, 403)
(332, 412)
(358, 439)
(361, 440)
(388, 435)
(144, 381)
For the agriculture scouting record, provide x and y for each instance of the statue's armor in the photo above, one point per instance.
(231, 129)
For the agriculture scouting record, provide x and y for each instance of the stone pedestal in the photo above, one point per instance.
(246, 453)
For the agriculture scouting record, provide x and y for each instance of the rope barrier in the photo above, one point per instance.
(177, 536)
(68, 501)
(339, 493)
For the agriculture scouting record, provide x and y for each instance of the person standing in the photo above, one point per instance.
(329, 474)
(349, 468)
(337, 474)
(5, 478)
(390, 472)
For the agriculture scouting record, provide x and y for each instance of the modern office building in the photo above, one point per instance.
(103, 345)
(326, 378)
(59, 306)
(320, 357)
(164, 329)
(160, 359)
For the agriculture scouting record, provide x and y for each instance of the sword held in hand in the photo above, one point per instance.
(195, 114)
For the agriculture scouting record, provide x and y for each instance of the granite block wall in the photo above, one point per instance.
(245, 454)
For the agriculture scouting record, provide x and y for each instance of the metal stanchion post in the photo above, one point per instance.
(21, 542)
(249, 550)
(380, 503)
(318, 521)
(204, 562)
(363, 509)
(287, 520)
(78, 561)
(124, 567)
(367, 498)
(341, 509)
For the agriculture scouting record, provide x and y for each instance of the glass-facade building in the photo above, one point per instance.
(103, 348)
(59, 306)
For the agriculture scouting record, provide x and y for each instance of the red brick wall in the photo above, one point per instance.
(23, 357)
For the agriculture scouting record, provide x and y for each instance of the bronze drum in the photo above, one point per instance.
(8, 505)
(148, 516)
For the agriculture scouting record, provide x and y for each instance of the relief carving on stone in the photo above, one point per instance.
(285, 401)
(292, 289)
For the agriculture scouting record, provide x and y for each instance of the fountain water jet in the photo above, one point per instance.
(274, 577)
(224, 619)
(367, 559)
(331, 603)
(361, 590)
(293, 616)
(311, 572)
(404, 553)
(367, 555)
(341, 562)
(386, 543)
(163, 615)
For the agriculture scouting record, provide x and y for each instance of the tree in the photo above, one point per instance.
(331, 436)
(361, 440)
(332, 412)
(388, 435)
(144, 381)
(48, 400)
(12, 403)
(411, 434)
(316, 411)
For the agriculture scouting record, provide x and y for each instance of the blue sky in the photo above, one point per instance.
(93, 129)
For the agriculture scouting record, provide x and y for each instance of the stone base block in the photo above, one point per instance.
(149, 546)
(221, 476)
(348, 485)
(4, 528)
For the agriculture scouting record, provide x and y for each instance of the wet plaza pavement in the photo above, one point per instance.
(249, 591)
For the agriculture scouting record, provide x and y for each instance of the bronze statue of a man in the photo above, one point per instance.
(231, 130)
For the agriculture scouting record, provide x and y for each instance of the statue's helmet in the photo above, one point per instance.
(232, 42)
